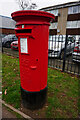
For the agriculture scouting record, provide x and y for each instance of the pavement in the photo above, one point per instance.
(7, 114)
(7, 111)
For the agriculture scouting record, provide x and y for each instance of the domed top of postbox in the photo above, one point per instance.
(32, 17)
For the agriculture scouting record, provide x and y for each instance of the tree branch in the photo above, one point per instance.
(26, 4)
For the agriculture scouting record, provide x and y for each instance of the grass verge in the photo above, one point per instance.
(62, 100)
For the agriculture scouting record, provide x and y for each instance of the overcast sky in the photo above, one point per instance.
(9, 6)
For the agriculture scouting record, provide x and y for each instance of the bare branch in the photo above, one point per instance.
(26, 4)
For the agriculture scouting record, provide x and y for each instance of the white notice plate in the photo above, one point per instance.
(23, 44)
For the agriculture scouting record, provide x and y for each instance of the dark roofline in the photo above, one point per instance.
(7, 28)
(61, 5)
(5, 16)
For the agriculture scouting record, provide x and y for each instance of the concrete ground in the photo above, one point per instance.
(8, 111)
(7, 114)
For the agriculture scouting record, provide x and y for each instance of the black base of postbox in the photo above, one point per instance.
(33, 100)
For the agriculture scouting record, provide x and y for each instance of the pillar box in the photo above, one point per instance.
(32, 30)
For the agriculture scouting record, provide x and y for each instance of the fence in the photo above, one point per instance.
(64, 53)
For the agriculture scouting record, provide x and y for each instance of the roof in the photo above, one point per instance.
(7, 22)
(61, 5)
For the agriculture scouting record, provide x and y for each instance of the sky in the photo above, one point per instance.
(9, 6)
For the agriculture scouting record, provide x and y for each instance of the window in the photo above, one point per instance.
(74, 9)
(53, 26)
(55, 12)
(73, 24)
(78, 24)
(70, 10)
(79, 8)
(68, 24)
(48, 11)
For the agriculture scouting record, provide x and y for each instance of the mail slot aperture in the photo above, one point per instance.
(24, 31)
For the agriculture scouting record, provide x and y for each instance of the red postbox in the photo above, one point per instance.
(32, 30)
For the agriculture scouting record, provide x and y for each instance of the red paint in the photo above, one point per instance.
(34, 64)
(14, 45)
(76, 49)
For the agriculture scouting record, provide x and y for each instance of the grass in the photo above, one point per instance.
(11, 80)
(63, 95)
(62, 101)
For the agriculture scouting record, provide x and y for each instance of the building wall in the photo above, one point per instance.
(7, 22)
(67, 19)
(62, 21)
(7, 25)
(7, 31)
